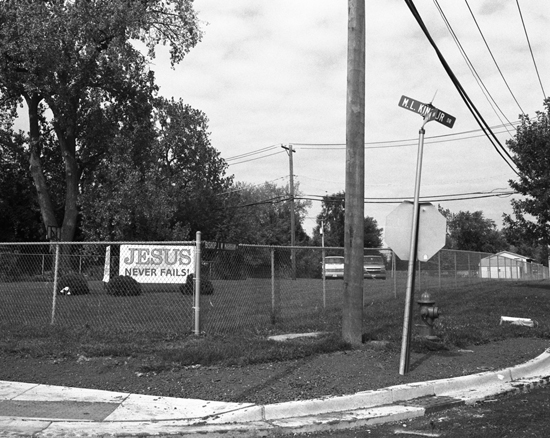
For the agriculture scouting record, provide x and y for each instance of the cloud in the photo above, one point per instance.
(270, 72)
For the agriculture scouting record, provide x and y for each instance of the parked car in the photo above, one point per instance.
(334, 267)
(373, 265)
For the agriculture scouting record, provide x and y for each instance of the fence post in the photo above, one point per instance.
(324, 277)
(275, 290)
(456, 276)
(439, 267)
(419, 275)
(469, 272)
(197, 280)
(394, 273)
(55, 275)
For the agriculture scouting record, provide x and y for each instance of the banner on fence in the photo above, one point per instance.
(157, 263)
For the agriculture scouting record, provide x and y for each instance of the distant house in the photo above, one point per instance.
(505, 265)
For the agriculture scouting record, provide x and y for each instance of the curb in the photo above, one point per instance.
(135, 416)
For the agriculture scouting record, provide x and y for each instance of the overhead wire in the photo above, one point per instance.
(473, 70)
(531, 50)
(247, 154)
(432, 198)
(474, 111)
(493, 58)
(411, 142)
(370, 145)
(256, 158)
(388, 200)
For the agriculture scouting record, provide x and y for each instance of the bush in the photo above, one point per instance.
(123, 286)
(207, 288)
(73, 284)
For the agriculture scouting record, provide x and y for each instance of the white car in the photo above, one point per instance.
(373, 266)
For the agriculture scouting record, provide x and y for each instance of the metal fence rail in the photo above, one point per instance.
(243, 287)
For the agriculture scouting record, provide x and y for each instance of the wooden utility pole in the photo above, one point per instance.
(290, 151)
(352, 316)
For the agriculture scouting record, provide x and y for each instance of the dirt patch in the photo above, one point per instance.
(371, 367)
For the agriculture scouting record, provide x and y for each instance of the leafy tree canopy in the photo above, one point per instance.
(76, 59)
(469, 231)
(332, 218)
(165, 191)
(530, 222)
(260, 214)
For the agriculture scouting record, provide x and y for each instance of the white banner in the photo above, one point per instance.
(157, 263)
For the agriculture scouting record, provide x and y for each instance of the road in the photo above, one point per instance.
(519, 415)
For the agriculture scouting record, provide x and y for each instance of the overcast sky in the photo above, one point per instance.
(271, 73)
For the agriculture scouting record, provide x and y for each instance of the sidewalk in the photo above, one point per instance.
(40, 410)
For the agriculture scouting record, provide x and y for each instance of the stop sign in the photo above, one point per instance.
(432, 227)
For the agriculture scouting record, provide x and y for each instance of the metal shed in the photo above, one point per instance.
(505, 265)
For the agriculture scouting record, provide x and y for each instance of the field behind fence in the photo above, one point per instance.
(259, 289)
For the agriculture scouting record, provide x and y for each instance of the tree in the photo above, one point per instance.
(469, 231)
(71, 57)
(19, 212)
(530, 223)
(332, 216)
(260, 214)
(166, 189)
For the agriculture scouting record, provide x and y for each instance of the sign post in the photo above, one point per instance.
(429, 113)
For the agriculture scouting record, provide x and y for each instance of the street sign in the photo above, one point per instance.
(427, 109)
(432, 227)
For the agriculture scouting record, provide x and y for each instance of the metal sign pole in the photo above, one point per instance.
(404, 361)
(428, 112)
(323, 255)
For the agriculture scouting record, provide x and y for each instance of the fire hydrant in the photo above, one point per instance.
(429, 313)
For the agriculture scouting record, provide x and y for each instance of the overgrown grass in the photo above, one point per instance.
(163, 352)
(469, 316)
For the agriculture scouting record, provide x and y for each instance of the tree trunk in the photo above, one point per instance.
(35, 166)
(67, 143)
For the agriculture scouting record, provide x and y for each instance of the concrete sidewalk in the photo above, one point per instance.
(51, 411)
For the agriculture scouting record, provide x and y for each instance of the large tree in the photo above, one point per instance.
(260, 214)
(19, 212)
(469, 231)
(73, 57)
(530, 147)
(165, 191)
(332, 219)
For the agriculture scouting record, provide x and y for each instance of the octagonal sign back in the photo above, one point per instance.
(432, 228)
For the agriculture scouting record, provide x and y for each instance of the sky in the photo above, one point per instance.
(273, 73)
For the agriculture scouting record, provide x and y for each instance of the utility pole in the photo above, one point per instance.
(290, 151)
(352, 309)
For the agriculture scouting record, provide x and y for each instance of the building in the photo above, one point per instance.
(507, 266)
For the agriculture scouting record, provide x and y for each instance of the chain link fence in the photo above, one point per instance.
(151, 287)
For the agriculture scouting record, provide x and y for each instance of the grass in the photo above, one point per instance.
(470, 315)
(157, 324)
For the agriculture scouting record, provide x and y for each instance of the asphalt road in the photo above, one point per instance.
(519, 415)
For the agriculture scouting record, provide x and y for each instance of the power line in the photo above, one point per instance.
(389, 200)
(531, 50)
(470, 65)
(383, 144)
(432, 198)
(411, 141)
(473, 110)
(247, 154)
(494, 60)
(257, 158)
